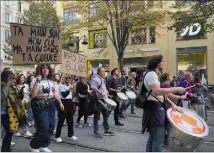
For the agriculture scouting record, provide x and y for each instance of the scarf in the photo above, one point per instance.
(16, 110)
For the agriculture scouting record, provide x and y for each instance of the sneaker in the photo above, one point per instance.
(54, 132)
(45, 150)
(18, 134)
(78, 125)
(12, 144)
(33, 150)
(28, 134)
(73, 138)
(119, 124)
(91, 116)
(87, 125)
(97, 135)
(134, 113)
(82, 119)
(109, 133)
(58, 139)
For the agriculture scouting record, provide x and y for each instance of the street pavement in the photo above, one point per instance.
(127, 138)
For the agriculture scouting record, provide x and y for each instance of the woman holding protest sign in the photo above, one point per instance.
(43, 96)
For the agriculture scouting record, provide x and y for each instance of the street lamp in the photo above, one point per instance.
(77, 40)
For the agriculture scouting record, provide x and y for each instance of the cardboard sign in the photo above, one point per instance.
(35, 44)
(73, 64)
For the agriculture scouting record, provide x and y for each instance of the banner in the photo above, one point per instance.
(73, 64)
(35, 44)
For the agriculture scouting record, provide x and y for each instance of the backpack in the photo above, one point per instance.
(141, 95)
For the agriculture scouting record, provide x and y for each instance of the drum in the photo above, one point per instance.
(108, 104)
(131, 94)
(200, 109)
(185, 131)
(121, 97)
(185, 104)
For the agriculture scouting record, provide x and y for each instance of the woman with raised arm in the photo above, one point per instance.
(43, 106)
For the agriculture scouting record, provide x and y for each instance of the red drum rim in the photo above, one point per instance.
(122, 95)
(191, 120)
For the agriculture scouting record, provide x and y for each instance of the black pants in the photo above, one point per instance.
(68, 115)
(82, 110)
(116, 111)
(6, 142)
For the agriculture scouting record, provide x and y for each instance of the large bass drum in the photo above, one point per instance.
(185, 131)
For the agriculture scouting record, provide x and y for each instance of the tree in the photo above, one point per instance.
(43, 14)
(118, 17)
(201, 11)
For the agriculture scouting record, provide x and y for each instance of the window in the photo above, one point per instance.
(185, 3)
(195, 31)
(7, 3)
(152, 35)
(7, 18)
(18, 20)
(19, 6)
(71, 16)
(150, 3)
(92, 9)
(6, 35)
(138, 36)
(97, 39)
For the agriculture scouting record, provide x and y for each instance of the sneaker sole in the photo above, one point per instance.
(109, 134)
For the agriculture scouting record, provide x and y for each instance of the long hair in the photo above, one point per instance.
(18, 80)
(63, 78)
(39, 70)
(164, 77)
(5, 75)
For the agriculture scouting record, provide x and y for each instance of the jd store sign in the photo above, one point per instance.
(191, 30)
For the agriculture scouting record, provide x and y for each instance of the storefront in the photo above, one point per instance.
(193, 60)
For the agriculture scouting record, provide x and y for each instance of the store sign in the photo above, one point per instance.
(99, 39)
(144, 50)
(188, 31)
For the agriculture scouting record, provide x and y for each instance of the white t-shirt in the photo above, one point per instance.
(63, 88)
(42, 86)
(152, 78)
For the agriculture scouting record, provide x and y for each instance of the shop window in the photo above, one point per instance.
(97, 39)
(193, 62)
(138, 36)
(71, 16)
(7, 35)
(150, 3)
(7, 17)
(152, 35)
(195, 31)
(185, 3)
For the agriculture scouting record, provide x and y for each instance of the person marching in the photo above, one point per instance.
(99, 90)
(67, 113)
(82, 90)
(43, 106)
(112, 86)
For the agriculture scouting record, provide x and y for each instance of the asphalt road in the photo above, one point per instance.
(127, 138)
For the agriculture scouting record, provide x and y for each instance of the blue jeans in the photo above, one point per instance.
(97, 118)
(156, 140)
(44, 123)
(131, 102)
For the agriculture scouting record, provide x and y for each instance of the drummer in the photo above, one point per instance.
(100, 91)
(112, 86)
(154, 110)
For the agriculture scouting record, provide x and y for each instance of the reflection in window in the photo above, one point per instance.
(185, 3)
(97, 39)
(7, 18)
(193, 62)
(71, 16)
(138, 36)
(152, 35)
(193, 32)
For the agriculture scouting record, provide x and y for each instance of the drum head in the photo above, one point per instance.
(188, 122)
(131, 94)
(122, 96)
(109, 101)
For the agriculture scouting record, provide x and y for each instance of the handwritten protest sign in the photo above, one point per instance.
(35, 44)
(73, 64)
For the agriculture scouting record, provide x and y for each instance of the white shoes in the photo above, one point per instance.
(12, 144)
(28, 134)
(58, 139)
(33, 150)
(18, 134)
(44, 150)
(72, 138)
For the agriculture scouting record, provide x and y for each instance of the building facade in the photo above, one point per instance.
(11, 11)
(191, 49)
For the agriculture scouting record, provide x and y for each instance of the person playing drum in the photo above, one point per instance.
(154, 110)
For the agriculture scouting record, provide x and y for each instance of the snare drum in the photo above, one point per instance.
(131, 94)
(121, 97)
(108, 104)
(185, 131)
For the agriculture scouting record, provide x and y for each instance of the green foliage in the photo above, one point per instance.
(118, 17)
(201, 12)
(43, 14)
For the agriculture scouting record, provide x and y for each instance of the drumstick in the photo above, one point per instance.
(191, 87)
